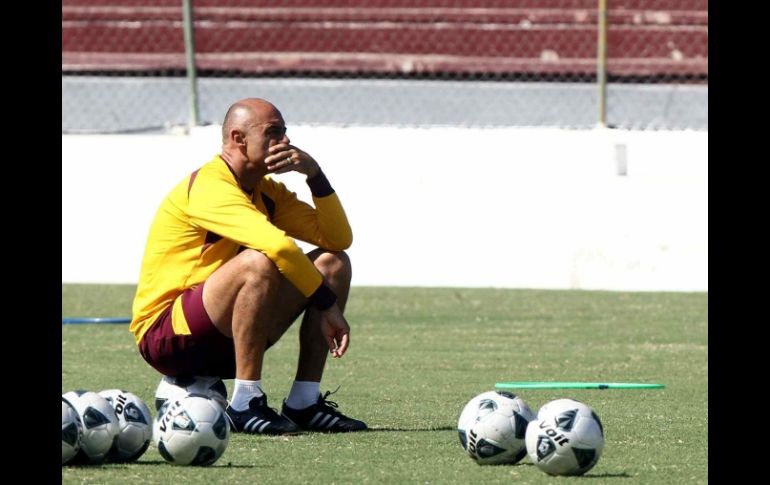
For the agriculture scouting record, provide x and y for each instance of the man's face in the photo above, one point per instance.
(262, 136)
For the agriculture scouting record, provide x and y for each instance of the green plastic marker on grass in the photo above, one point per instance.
(576, 385)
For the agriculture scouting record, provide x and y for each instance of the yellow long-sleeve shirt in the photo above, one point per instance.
(204, 221)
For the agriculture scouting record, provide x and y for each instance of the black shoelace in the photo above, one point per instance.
(331, 404)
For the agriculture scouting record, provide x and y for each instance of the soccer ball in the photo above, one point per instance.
(135, 423)
(492, 427)
(191, 431)
(100, 425)
(174, 388)
(566, 438)
(71, 431)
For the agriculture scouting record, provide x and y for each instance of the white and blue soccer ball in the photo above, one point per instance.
(71, 432)
(174, 388)
(193, 430)
(135, 423)
(100, 425)
(492, 427)
(566, 438)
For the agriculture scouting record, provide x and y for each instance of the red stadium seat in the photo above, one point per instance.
(538, 37)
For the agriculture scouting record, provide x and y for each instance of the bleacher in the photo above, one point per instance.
(648, 38)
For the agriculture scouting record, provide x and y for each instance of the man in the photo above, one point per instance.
(222, 278)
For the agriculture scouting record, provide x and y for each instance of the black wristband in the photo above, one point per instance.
(319, 185)
(323, 297)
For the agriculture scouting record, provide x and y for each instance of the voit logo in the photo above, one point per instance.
(545, 447)
(566, 420)
(132, 413)
(183, 421)
(92, 418)
(486, 406)
(481, 448)
(551, 433)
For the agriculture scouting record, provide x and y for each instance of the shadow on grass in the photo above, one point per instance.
(110, 465)
(437, 428)
(607, 475)
(218, 464)
(587, 475)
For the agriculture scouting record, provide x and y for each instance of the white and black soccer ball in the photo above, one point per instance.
(135, 423)
(173, 388)
(492, 428)
(71, 431)
(566, 438)
(100, 425)
(191, 431)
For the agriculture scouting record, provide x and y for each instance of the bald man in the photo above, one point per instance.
(222, 278)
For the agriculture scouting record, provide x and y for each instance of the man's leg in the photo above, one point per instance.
(250, 301)
(313, 351)
(305, 406)
(336, 269)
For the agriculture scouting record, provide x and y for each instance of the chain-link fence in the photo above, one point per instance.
(148, 65)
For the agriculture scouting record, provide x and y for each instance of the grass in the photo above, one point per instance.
(417, 356)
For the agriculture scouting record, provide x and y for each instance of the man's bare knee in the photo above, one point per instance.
(334, 264)
(255, 266)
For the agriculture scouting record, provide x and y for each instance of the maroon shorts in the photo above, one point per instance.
(205, 352)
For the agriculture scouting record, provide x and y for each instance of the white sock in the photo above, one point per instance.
(303, 394)
(243, 393)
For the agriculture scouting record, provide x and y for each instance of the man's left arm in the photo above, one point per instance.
(324, 225)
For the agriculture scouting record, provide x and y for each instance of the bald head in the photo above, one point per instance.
(246, 113)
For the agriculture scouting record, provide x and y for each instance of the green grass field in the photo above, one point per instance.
(417, 355)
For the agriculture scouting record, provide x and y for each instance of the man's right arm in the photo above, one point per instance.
(335, 330)
(217, 205)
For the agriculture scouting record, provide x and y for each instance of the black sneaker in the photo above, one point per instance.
(260, 419)
(322, 416)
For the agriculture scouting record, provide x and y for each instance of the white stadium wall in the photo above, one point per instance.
(509, 208)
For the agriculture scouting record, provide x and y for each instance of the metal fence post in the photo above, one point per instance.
(601, 63)
(189, 48)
